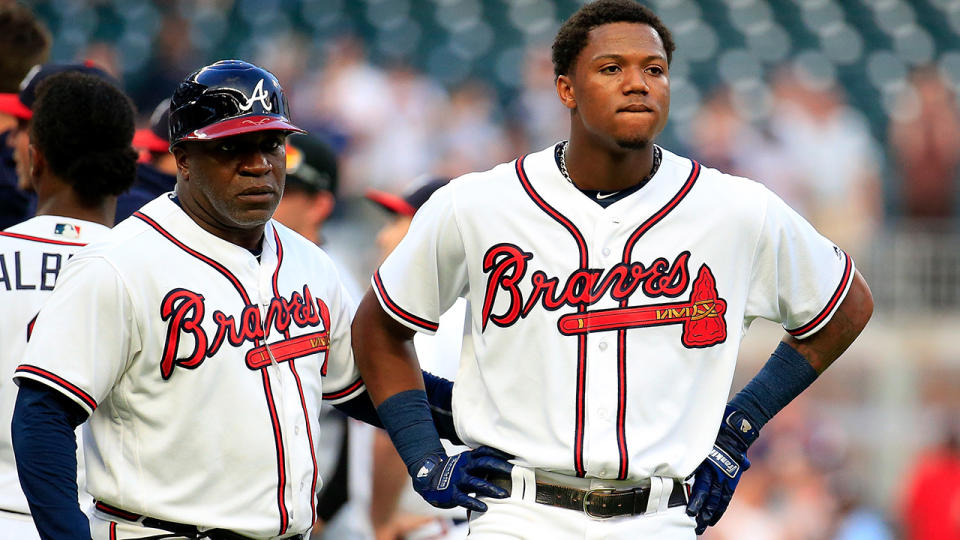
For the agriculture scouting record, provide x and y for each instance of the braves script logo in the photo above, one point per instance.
(185, 310)
(701, 316)
(259, 94)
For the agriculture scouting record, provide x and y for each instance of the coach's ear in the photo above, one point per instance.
(183, 170)
(565, 91)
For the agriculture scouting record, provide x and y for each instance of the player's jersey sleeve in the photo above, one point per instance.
(427, 272)
(341, 378)
(85, 334)
(799, 277)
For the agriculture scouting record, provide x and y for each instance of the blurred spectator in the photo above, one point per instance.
(472, 137)
(931, 503)
(831, 156)
(537, 113)
(156, 169)
(855, 520)
(348, 102)
(748, 515)
(172, 58)
(105, 55)
(924, 138)
(24, 43)
(408, 142)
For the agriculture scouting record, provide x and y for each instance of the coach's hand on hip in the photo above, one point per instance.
(444, 481)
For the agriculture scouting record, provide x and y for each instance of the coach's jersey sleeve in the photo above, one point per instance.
(85, 334)
(427, 272)
(799, 277)
(341, 378)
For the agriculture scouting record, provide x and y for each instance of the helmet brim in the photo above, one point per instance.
(241, 125)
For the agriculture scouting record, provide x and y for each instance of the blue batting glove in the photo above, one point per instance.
(717, 477)
(444, 481)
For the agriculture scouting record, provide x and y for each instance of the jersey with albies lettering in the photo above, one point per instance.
(32, 254)
(605, 339)
(203, 369)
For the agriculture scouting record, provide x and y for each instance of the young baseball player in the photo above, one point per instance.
(610, 282)
(80, 160)
(199, 338)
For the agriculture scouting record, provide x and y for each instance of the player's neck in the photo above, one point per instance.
(597, 168)
(63, 201)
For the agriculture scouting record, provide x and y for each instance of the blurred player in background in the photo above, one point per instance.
(20, 105)
(24, 43)
(80, 160)
(157, 168)
(398, 512)
(309, 198)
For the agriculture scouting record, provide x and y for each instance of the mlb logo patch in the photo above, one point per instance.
(67, 230)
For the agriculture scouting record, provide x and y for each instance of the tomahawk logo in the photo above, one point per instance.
(259, 94)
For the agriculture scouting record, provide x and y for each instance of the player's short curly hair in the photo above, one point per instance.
(83, 126)
(572, 37)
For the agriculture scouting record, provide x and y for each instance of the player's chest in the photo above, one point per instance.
(596, 272)
(252, 317)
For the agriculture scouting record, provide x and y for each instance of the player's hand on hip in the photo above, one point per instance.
(445, 481)
(717, 477)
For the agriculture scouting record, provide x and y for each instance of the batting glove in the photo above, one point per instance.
(718, 475)
(444, 481)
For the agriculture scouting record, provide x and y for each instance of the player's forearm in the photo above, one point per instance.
(822, 348)
(796, 364)
(383, 350)
(45, 447)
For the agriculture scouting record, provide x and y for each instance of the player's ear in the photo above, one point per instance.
(565, 91)
(180, 155)
(38, 164)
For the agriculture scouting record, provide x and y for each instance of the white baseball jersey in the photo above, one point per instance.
(605, 339)
(32, 254)
(203, 369)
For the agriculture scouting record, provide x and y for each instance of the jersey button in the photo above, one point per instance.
(606, 251)
(296, 429)
(603, 345)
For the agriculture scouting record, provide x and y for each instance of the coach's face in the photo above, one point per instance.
(232, 186)
(619, 85)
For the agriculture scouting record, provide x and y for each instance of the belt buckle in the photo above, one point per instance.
(586, 497)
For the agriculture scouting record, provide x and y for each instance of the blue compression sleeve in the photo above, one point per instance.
(439, 395)
(46, 452)
(406, 416)
(785, 375)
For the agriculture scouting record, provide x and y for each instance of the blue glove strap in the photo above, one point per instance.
(406, 417)
(785, 375)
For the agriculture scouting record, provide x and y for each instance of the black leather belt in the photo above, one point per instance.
(189, 531)
(598, 502)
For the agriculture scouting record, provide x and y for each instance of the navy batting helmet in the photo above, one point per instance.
(227, 98)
